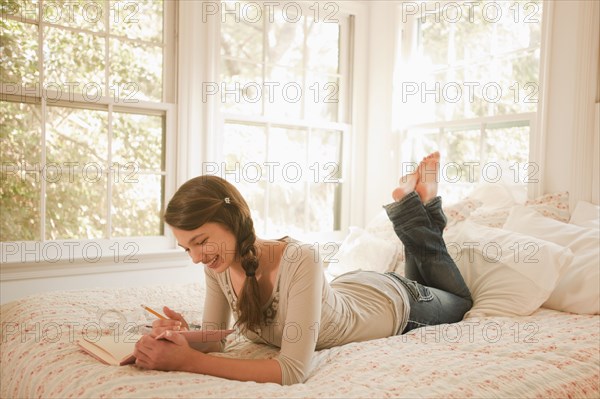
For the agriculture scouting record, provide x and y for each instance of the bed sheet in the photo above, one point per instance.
(548, 354)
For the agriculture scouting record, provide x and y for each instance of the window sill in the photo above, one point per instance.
(11, 271)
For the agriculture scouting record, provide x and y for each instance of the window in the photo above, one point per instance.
(467, 83)
(283, 100)
(86, 109)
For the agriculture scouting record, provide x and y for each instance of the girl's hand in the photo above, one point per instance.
(175, 322)
(168, 351)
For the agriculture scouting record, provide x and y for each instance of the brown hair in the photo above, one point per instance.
(205, 199)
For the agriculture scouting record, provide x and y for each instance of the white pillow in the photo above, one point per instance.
(578, 290)
(554, 205)
(363, 250)
(508, 274)
(586, 214)
(382, 227)
(500, 194)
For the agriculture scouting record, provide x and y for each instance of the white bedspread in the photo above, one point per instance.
(548, 354)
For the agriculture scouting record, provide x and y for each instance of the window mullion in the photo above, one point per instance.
(482, 141)
(346, 52)
(43, 113)
(109, 173)
(109, 121)
(442, 142)
(42, 179)
(307, 181)
(304, 72)
(106, 49)
(264, 64)
(267, 186)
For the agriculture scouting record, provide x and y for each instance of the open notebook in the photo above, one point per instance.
(118, 350)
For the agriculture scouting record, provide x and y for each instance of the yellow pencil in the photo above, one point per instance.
(154, 312)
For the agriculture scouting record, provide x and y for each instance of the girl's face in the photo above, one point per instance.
(211, 244)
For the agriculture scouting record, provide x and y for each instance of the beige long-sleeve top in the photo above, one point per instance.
(306, 313)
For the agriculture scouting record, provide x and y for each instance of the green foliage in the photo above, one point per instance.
(88, 184)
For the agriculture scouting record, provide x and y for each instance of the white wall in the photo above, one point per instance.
(380, 143)
(36, 275)
(571, 92)
(18, 288)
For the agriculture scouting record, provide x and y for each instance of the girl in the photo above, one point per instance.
(277, 291)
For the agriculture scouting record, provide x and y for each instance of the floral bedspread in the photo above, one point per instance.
(548, 354)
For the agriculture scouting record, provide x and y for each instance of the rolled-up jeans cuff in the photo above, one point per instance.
(434, 202)
(407, 213)
(407, 202)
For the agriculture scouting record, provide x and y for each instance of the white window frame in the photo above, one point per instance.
(533, 119)
(31, 259)
(348, 126)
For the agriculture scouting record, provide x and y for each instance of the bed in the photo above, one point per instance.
(515, 346)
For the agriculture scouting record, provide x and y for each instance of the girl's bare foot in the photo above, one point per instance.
(406, 186)
(427, 185)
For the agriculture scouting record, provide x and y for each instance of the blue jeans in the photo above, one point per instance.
(437, 291)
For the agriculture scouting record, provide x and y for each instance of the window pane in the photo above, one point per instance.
(136, 71)
(286, 208)
(242, 39)
(323, 46)
(244, 145)
(461, 166)
(74, 61)
(323, 214)
(140, 19)
(452, 99)
(254, 192)
(520, 84)
(325, 164)
(77, 138)
(244, 150)
(444, 41)
(286, 40)
(510, 144)
(458, 35)
(288, 147)
(76, 205)
(22, 9)
(20, 136)
(20, 207)
(136, 204)
(76, 154)
(138, 141)
(288, 92)
(462, 147)
(467, 65)
(416, 143)
(517, 25)
(83, 14)
(241, 88)
(508, 147)
(18, 53)
(323, 96)
(325, 155)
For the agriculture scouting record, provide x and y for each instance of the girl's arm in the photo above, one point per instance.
(259, 370)
(173, 352)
